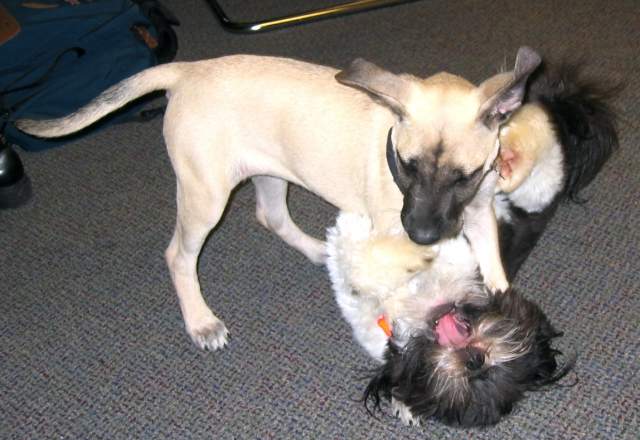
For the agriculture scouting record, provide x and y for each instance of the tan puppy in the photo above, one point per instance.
(414, 156)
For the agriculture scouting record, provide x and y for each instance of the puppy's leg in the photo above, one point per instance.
(481, 229)
(273, 214)
(200, 206)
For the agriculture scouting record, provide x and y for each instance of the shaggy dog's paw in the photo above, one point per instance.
(209, 333)
(403, 412)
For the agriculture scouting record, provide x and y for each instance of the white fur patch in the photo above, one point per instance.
(409, 279)
(403, 412)
(543, 184)
(360, 311)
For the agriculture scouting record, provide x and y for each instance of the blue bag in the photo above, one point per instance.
(66, 52)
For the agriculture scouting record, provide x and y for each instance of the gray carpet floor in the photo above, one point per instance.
(92, 344)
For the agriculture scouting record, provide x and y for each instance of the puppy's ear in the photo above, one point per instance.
(504, 92)
(393, 90)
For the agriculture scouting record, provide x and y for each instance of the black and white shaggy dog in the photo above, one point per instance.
(449, 348)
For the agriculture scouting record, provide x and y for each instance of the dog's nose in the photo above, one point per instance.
(475, 359)
(424, 236)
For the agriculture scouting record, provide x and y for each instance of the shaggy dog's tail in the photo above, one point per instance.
(583, 117)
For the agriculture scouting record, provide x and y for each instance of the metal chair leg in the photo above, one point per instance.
(304, 17)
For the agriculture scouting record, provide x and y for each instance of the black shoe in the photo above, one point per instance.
(15, 186)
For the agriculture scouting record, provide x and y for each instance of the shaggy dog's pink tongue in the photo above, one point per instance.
(451, 332)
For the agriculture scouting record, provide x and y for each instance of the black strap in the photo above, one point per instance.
(148, 114)
(6, 111)
(78, 50)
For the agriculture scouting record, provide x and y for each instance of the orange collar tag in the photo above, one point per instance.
(384, 325)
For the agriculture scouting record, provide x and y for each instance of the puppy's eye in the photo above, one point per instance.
(460, 178)
(410, 166)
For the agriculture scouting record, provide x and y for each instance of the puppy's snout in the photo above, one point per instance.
(427, 226)
(475, 359)
(424, 236)
(420, 231)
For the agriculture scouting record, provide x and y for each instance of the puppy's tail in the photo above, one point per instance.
(584, 119)
(162, 77)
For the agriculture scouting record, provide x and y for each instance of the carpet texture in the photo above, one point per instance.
(92, 343)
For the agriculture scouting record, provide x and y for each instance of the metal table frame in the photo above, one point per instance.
(299, 18)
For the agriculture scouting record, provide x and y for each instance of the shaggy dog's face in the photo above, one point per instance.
(470, 361)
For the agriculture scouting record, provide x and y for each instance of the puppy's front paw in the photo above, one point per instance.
(497, 283)
(403, 412)
(208, 332)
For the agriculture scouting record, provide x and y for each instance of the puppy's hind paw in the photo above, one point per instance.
(317, 253)
(403, 412)
(209, 335)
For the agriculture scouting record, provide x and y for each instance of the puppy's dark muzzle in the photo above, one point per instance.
(420, 224)
(429, 212)
(423, 236)
(428, 232)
